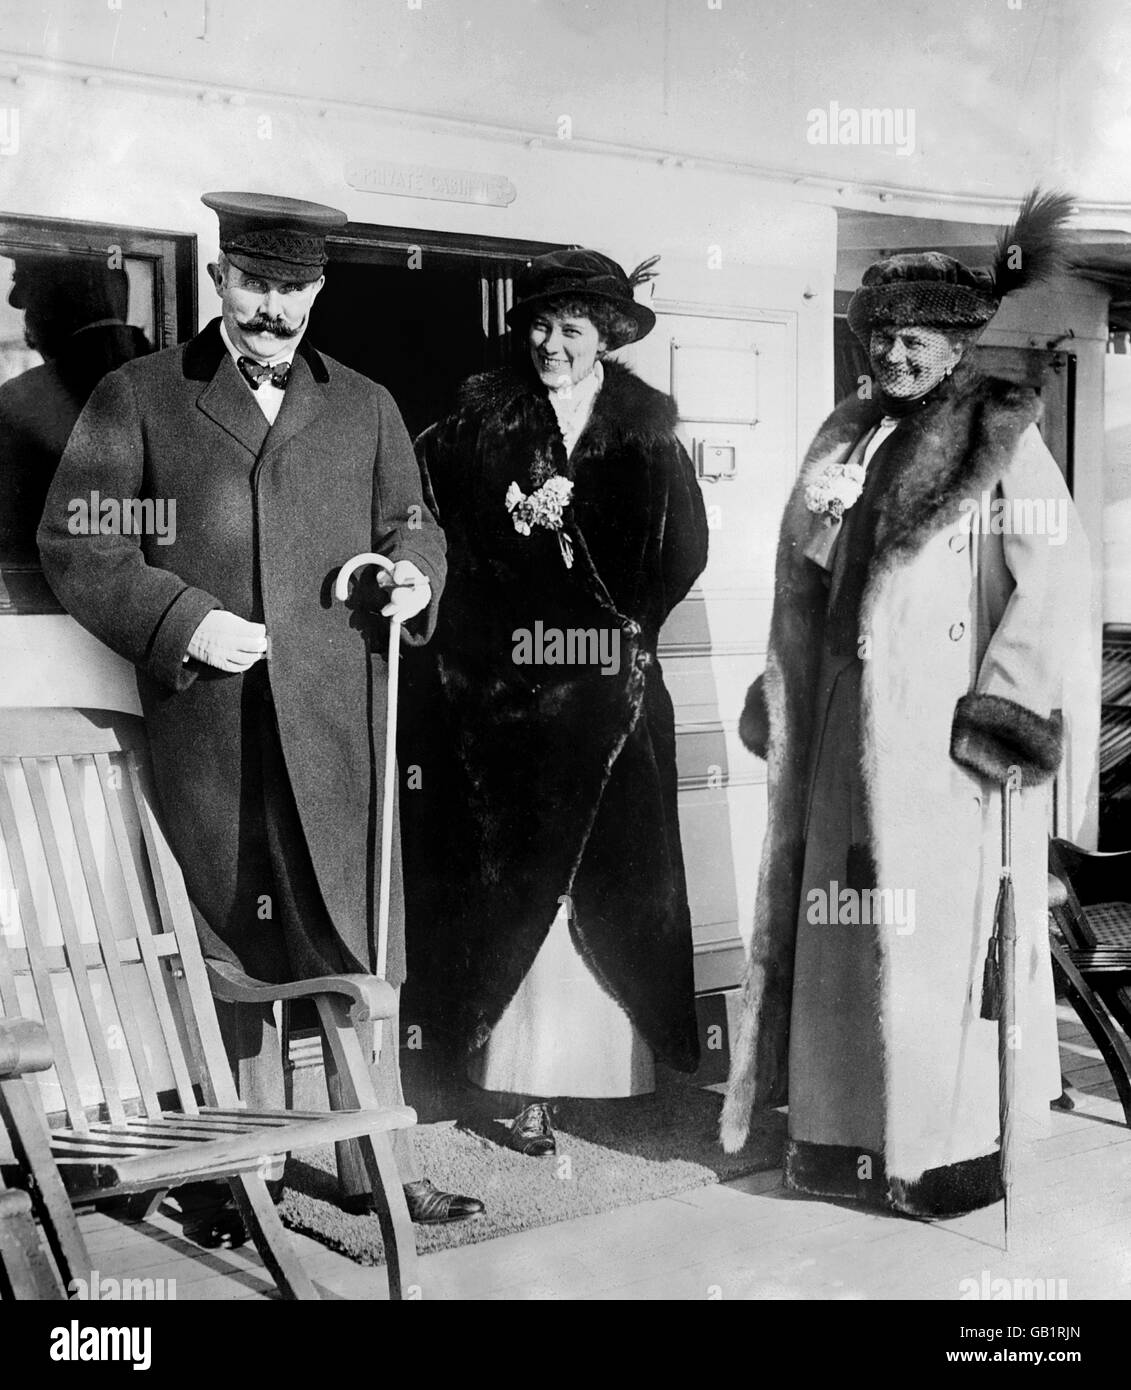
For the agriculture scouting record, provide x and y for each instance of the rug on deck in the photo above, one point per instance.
(611, 1153)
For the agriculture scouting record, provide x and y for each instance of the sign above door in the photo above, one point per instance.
(426, 181)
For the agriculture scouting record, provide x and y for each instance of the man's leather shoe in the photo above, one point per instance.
(531, 1133)
(427, 1206)
(219, 1229)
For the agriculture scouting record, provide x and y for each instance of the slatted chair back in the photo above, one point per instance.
(97, 937)
(1093, 955)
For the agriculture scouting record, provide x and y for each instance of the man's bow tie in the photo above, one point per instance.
(255, 373)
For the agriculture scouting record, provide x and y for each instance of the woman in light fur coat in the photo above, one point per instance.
(930, 573)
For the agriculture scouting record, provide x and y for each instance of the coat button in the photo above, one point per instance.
(957, 542)
(956, 631)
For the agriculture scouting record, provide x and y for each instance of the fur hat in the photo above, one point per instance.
(929, 289)
(577, 273)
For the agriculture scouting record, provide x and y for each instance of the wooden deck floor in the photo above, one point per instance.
(746, 1239)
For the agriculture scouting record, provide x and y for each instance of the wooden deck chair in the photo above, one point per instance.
(25, 1270)
(141, 1097)
(1090, 940)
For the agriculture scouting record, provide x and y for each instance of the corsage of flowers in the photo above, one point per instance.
(835, 490)
(544, 507)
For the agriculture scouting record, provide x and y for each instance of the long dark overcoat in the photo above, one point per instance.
(568, 770)
(264, 519)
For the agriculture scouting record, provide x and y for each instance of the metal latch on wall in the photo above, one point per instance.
(716, 460)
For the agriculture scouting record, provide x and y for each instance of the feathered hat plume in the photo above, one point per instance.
(930, 289)
(644, 272)
(1034, 248)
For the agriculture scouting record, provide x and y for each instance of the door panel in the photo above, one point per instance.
(1053, 376)
(733, 379)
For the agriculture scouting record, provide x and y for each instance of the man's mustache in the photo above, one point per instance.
(278, 328)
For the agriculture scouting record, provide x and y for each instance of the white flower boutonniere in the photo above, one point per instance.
(835, 489)
(544, 507)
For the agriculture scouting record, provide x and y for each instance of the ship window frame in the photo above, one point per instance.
(24, 591)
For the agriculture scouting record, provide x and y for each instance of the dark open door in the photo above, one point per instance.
(418, 311)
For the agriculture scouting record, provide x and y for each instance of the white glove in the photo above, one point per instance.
(228, 642)
(410, 591)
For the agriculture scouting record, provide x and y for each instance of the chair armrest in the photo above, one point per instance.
(1058, 893)
(1097, 878)
(369, 997)
(23, 1047)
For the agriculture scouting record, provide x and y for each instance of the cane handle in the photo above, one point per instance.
(351, 567)
(1010, 785)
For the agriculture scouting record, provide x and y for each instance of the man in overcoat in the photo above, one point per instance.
(264, 698)
(931, 575)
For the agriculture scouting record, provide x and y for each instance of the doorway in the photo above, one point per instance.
(419, 311)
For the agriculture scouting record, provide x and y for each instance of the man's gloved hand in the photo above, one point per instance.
(410, 591)
(228, 642)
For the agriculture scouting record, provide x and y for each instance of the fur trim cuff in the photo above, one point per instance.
(754, 722)
(833, 1170)
(990, 734)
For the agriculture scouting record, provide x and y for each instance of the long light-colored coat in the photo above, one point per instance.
(964, 634)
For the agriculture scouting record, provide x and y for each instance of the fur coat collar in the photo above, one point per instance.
(952, 449)
(625, 408)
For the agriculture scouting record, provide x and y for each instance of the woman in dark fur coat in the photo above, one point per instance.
(575, 525)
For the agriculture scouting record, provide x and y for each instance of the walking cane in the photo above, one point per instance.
(341, 591)
(999, 992)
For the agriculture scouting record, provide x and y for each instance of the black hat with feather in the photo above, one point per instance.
(928, 289)
(578, 273)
